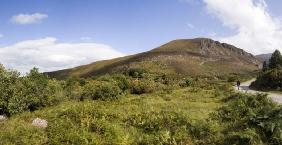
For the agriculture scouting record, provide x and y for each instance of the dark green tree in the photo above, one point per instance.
(275, 60)
(264, 66)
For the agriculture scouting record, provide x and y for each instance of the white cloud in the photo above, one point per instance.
(28, 18)
(212, 34)
(1, 35)
(256, 30)
(49, 55)
(190, 26)
(86, 38)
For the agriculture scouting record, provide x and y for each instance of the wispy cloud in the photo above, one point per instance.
(1, 35)
(24, 19)
(190, 26)
(86, 38)
(256, 30)
(49, 55)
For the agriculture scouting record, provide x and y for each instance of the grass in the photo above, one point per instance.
(203, 112)
(134, 119)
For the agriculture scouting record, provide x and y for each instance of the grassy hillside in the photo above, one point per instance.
(194, 57)
(146, 119)
(137, 108)
(204, 112)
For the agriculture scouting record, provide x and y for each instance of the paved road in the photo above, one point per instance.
(246, 89)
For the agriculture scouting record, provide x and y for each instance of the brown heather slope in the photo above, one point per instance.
(200, 56)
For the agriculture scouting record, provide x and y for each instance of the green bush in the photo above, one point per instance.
(250, 119)
(28, 93)
(269, 80)
(244, 137)
(136, 72)
(122, 81)
(40, 91)
(143, 86)
(73, 88)
(101, 90)
(54, 93)
(166, 79)
(185, 83)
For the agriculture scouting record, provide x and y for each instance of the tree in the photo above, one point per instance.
(8, 79)
(271, 76)
(264, 66)
(275, 60)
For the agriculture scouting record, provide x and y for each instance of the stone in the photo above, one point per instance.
(3, 118)
(40, 123)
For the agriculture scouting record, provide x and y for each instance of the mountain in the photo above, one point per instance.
(200, 56)
(264, 57)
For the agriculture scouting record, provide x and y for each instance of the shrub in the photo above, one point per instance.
(143, 86)
(269, 80)
(185, 82)
(73, 88)
(101, 90)
(40, 91)
(122, 81)
(136, 72)
(165, 79)
(54, 93)
(251, 120)
(244, 137)
(29, 93)
(232, 79)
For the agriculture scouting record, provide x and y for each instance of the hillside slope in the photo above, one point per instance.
(264, 57)
(200, 56)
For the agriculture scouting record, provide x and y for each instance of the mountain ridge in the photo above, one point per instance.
(264, 57)
(199, 56)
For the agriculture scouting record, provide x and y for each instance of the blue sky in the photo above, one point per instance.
(128, 25)
(124, 26)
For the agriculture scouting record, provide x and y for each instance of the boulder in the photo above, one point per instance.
(3, 118)
(40, 123)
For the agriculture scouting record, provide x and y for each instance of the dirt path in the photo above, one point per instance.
(246, 89)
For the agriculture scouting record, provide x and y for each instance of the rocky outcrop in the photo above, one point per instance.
(211, 47)
(40, 123)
